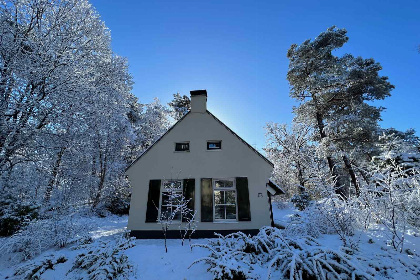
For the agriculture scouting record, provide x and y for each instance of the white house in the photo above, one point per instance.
(224, 177)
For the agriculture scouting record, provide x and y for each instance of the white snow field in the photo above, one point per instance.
(149, 261)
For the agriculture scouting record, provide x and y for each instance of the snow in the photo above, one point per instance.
(153, 263)
(150, 261)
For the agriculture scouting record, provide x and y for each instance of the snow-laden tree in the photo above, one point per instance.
(153, 120)
(64, 106)
(333, 93)
(180, 105)
(398, 148)
(47, 52)
(296, 165)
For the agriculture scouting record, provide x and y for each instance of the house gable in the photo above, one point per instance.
(203, 127)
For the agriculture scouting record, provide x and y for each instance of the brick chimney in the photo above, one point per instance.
(198, 101)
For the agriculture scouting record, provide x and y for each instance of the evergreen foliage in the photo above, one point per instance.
(15, 215)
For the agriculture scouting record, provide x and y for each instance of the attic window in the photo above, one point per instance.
(214, 145)
(182, 147)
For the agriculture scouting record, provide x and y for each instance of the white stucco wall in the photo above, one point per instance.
(235, 159)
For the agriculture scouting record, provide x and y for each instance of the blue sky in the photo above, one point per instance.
(237, 51)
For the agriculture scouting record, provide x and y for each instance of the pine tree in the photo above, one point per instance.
(180, 105)
(333, 93)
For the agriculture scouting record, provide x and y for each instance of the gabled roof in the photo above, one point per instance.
(208, 112)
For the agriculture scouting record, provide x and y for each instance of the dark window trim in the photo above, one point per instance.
(185, 142)
(214, 142)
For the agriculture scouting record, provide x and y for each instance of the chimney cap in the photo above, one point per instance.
(198, 92)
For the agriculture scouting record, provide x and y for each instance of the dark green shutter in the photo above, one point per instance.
(244, 211)
(206, 200)
(153, 201)
(189, 194)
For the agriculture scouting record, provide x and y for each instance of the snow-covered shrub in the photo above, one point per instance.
(291, 257)
(330, 215)
(117, 198)
(15, 214)
(393, 201)
(341, 217)
(304, 258)
(229, 258)
(413, 204)
(280, 202)
(301, 201)
(118, 205)
(306, 223)
(106, 260)
(308, 260)
(41, 235)
(34, 270)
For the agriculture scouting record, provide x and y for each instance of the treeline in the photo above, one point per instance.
(69, 125)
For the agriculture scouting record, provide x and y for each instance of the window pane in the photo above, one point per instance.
(165, 212)
(166, 199)
(172, 184)
(228, 184)
(230, 197)
(182, 147)
(223, 184)
(177, 216)
(230, 212)
(219, 212)
(219, 197)
(214, 145)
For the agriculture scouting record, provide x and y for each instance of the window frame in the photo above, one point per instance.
(165, 190)
(213, 142)
(233, 189)
(182, 151)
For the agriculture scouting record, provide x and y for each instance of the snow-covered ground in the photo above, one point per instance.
(151, 262)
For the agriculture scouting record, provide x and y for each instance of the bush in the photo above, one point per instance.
(41, 235)
(301, 201)
(34, 270)
(15, 215)
(328, 216)
(106, 260)
(118, 205)
(228, 258)
(232, 256)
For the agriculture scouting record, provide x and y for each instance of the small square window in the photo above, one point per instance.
(182, 147)
(214, 145)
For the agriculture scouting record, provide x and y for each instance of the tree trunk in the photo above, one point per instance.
(300, 178)
(103, 165)
(53, 179)
(350, 169)
(340, 188)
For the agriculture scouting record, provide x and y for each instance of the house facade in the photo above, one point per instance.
(223, 177)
